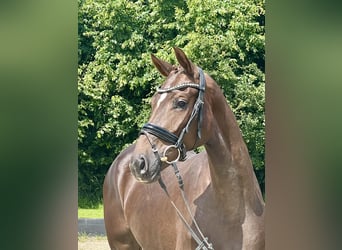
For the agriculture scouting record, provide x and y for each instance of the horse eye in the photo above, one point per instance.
(181, 104)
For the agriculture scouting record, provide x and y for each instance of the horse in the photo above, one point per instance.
(159, 194)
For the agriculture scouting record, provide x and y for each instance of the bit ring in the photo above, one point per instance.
(164, 157)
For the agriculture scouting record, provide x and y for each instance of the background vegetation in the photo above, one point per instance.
(116, 78)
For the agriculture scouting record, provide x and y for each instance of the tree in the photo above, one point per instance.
(116, 78)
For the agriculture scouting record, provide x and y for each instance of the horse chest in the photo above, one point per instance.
(155, 224)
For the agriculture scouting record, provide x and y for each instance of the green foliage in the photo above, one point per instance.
(116, 78)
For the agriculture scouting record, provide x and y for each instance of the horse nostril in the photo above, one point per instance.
(142, 164)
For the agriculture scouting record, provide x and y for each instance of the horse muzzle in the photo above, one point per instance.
(144, 169)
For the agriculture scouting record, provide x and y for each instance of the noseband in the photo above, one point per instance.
(167, 136)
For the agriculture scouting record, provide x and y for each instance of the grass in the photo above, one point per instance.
(91, 242)
(82, 237)
(93, 213)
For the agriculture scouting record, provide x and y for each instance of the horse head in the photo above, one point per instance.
(178, 121)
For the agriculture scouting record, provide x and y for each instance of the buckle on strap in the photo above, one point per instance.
(202, 246)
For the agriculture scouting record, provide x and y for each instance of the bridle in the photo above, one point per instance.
(165, 135)
(177, 143)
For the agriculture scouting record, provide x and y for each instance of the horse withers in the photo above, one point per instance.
(159, 196)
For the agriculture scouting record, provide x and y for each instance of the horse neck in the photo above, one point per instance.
(230, 166)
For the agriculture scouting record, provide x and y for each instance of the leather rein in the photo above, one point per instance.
(177, 143)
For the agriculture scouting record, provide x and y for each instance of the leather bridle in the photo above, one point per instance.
(165, 135)
(177, 143)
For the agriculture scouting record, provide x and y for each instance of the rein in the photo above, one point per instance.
(202, 242)
(177, 143)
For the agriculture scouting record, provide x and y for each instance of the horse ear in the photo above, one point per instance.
(187, 65)
(163, 67)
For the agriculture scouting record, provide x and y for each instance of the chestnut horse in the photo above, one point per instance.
(145, 205)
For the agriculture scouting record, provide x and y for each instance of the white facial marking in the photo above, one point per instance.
(161, 99)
